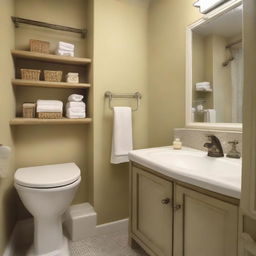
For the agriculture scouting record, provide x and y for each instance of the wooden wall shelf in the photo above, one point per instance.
(37, 121)
(30, 83)
(50, 57)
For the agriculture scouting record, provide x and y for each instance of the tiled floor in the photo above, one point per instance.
(111, 244)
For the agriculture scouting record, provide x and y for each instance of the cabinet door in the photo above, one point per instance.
(248, 245)
(204, 226)
(248, 199)
(152, 211)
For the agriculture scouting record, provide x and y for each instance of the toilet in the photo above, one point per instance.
(47, 191)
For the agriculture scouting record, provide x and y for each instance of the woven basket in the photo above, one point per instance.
(52, 76)
(30, 74)
(29, 110)
(39, 46)
(49, 115)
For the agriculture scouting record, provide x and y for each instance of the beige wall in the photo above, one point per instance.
(120, 65)
(39, 145)
(118, 47)
(135, 49)
(167, 46)
(7, 109)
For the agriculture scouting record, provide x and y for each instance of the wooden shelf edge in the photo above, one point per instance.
(50, 57)
(45, 84)
(37, 121)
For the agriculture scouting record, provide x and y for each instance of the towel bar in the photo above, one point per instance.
(136, 96)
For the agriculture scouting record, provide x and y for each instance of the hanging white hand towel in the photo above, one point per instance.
(122, 135)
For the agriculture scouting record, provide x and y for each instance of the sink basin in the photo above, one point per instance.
(221, 175)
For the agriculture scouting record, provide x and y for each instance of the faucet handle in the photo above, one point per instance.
(233, 153)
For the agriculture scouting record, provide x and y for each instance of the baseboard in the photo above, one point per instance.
(112, 227)
(10, 248)
(23, 233)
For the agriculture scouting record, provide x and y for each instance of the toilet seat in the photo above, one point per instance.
(47, 176)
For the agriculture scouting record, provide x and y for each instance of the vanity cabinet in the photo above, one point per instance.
(204, 225)
(169, 218)
(152, 211)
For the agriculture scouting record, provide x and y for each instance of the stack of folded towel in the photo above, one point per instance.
(75, 108)
(49, 106)
(203, 86)
(65, 49)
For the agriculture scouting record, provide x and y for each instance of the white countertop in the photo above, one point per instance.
(221, 175)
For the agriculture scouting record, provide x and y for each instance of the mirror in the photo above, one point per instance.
(215, 69)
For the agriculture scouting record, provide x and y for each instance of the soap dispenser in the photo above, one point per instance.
(177, 144)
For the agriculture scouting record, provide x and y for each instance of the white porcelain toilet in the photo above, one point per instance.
(47, 191)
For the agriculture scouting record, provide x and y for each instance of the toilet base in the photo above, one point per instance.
(64, 250)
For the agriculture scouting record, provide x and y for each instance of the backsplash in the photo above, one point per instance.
(196, 138)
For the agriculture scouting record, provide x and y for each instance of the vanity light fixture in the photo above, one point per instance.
(206, 6)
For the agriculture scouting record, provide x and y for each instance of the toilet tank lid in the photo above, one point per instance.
(47, 176)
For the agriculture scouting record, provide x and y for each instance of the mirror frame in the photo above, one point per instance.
(205, 19)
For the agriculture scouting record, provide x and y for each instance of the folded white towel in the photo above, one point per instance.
(75, 116)
(66, 46)
(70, 114)
(65, 53)
(49, 103)
(203, 84)
(76, 110)
(46, 108)
(72, 104)
(122, 135)
(75, 97)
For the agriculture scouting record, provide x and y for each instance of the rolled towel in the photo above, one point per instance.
(66, 46)
(72, 104)
(48, 108)
(49, 103)
(65, 53)
(76, 109)
(75, 97)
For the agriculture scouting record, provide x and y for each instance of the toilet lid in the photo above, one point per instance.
(47, 176)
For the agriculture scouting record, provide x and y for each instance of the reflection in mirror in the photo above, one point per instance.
(217, 69)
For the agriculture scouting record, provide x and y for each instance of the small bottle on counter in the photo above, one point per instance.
(177, 144)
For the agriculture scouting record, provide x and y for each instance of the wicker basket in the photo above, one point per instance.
(29, 110)
(52, 76)
(39, 46)
(30, 74)
(49, 115)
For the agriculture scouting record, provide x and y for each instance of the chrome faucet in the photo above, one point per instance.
(214, 147)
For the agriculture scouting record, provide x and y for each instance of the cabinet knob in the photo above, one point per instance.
(165, 201)
(177, 207)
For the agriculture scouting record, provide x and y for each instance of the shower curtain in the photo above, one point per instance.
(237, 85)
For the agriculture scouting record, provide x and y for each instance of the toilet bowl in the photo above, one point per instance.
(46, 192)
